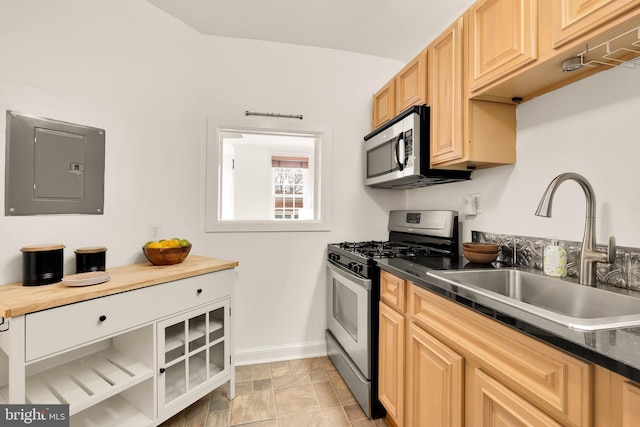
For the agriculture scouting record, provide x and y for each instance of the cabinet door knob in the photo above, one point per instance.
(162, 370)
(199, 291)
(102, 318)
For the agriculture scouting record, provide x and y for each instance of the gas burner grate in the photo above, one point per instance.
(384, 249)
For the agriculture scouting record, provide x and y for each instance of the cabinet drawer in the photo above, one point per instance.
(553, 380)
(63, 327)
(491, 403)
(72, 325)
(393, 291)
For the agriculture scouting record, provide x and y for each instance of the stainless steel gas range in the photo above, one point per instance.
(427, 238)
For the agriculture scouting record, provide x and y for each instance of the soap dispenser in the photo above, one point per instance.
(554, 261)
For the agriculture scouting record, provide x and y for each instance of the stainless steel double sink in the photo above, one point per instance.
(576, 306)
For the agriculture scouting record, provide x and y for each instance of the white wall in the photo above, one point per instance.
(281, 287)
(128, 68)
(152, 82)
(588, 127)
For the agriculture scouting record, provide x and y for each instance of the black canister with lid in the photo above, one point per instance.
(42, 264)
(93, 258)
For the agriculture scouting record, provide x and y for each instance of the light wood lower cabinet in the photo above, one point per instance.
(491, 404)
(617, 401)
(435, 382)
(391, 383)
(391, 355)
(464, 369)
(554, 381)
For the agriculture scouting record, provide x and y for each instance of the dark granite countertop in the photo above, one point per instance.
(616, 349)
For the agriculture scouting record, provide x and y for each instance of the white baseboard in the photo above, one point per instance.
(255, 355)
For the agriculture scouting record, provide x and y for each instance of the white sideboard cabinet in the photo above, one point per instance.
(132, 351)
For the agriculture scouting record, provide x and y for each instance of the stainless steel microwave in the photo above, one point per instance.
(397, 154)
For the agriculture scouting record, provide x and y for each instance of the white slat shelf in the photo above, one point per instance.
(113, 412)
(84, 382)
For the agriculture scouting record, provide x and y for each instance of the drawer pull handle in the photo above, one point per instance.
(162, 370)
(102, 318)
(199, 291)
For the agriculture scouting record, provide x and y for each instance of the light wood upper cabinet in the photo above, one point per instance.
(502, 37)
(411, 83)
(574, 18)
(490, 132)
(384, 104)
(504, 51)
(435, 382)
(407, 88)
(445, 94)
(465, 134)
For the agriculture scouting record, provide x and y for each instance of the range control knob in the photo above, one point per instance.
(334, 257)
(355, 267)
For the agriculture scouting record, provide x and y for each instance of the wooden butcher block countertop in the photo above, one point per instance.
(16, 299)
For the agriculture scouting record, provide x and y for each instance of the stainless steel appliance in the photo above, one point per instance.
(397, 154)
(353, 291)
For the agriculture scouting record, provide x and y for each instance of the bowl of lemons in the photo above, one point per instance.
(167, 252)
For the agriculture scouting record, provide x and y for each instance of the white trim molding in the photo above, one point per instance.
(268, 354)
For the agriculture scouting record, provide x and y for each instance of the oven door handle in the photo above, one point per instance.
(349, 276)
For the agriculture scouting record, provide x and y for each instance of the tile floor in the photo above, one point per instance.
(297, 393)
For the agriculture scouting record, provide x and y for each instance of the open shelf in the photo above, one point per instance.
(113, 412)
(86, 381)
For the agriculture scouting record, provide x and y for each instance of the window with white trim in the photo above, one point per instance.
(267, 179)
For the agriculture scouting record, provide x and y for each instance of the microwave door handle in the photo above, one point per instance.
(400, 153)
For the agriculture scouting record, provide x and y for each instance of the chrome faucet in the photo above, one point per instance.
(589, 256)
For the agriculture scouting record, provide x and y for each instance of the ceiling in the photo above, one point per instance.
(396, 29)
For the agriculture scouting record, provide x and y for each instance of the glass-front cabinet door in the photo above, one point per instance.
(193, 349)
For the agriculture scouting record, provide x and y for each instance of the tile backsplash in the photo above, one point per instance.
(527, 251)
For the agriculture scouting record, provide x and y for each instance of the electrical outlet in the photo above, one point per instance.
(476, 198)
(155, 231)
(471, 204)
